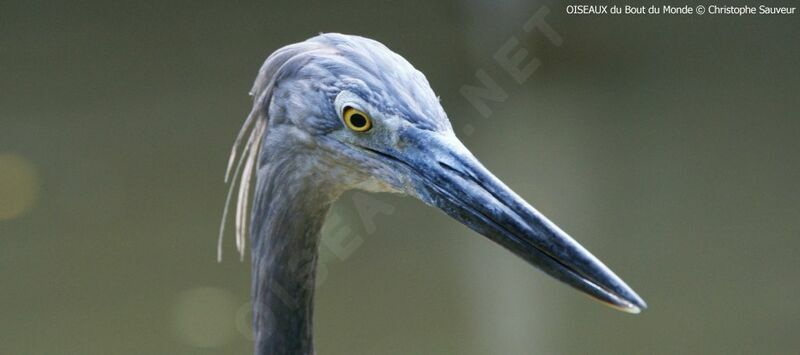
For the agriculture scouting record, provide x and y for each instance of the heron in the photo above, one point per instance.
(340, 112)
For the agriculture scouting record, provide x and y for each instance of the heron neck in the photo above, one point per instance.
(289, 209)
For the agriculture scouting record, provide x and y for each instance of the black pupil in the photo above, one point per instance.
(358, 120)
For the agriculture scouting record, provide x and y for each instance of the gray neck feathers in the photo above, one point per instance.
(289, 209)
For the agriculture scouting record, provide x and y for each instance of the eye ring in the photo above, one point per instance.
(356, 120)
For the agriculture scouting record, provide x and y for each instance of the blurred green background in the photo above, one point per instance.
(667, 145)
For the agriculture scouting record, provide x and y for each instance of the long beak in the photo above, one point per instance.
(449, 177)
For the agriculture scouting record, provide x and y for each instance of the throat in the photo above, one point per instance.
(288, 213)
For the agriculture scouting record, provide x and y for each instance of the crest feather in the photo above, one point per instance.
(244, 157)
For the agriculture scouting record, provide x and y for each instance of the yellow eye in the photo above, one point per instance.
(357, 120)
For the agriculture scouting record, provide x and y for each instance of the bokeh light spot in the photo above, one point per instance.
(19, 186)
(205, 317)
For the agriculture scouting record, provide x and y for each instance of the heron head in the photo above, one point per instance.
(371, 120)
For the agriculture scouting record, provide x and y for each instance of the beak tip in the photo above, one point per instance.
(633, 310)
(628, 302)
(635, 305)
(628, 307)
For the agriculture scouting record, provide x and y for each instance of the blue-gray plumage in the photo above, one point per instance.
(339, 112)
